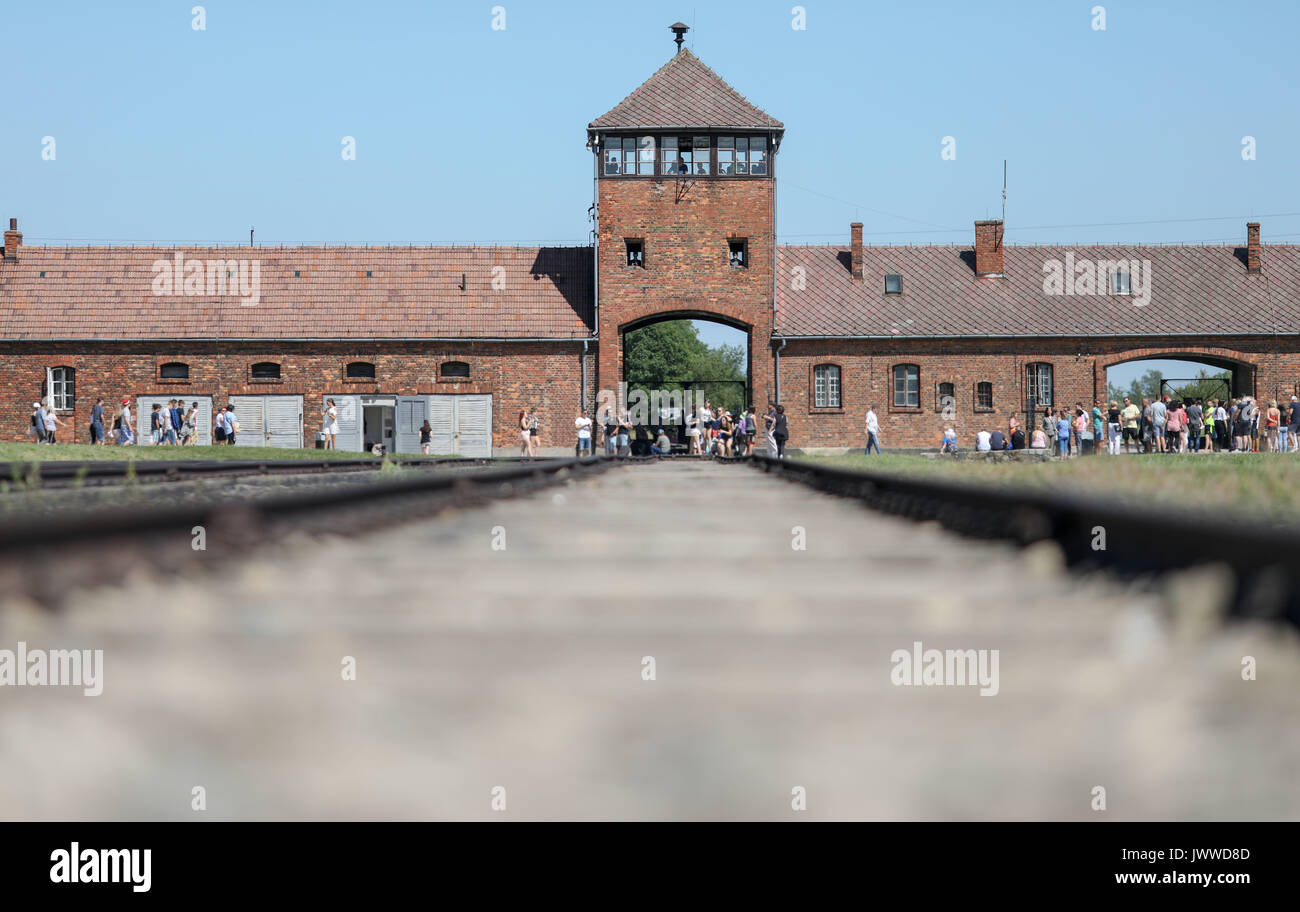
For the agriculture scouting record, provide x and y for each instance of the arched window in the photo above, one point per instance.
(984, 395)
(266, 370)
(454, 370)
(907, 386)
(360, 370)
(1038, 386)
(174, 370)
(826, 386)
(945, 397)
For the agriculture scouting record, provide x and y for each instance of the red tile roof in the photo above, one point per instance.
(413, 292)
(684, 93)
(1194, 290)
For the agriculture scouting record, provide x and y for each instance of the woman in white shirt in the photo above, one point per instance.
(330, 423)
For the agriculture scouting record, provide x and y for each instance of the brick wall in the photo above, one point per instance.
(517, 375)
(1266, 367)
(686, 226)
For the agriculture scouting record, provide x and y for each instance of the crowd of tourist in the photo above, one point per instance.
(173, 424)
(1157, 425)
(708, 431)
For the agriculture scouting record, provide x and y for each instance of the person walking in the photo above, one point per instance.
(523, 432)
(97, 423)
(1063, 434)
(1112, 429)
(128, 424)
(873, 430)
(219, 428)
(38, 422)
(172, 422)
(426, 437)
(155, 425)
(189, 425)
(769, 430)
(780, 431)
(51, 424)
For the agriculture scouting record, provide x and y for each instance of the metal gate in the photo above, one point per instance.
(1203, 388)
(462, 425)
(268, 421)
(202, 420)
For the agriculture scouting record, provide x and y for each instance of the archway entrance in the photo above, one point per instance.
(674, 363)
(1180, 376)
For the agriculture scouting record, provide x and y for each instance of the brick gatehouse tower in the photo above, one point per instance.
(685, 208)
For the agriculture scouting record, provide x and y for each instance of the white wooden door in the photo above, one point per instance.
(349, 421)
(411, 414)
(474, 426)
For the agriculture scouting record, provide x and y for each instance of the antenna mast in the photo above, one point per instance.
(1004, 196)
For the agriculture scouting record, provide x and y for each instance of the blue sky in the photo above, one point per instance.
(466, 134)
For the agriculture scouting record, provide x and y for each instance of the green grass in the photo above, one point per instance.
(31, 452)
(1260, 484)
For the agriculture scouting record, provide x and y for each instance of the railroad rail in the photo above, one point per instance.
(1264, 561)
(46, 558)
(91, 473)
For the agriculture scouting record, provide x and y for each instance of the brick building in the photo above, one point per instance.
(685, 183)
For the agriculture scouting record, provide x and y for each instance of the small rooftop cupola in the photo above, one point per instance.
(679, 30)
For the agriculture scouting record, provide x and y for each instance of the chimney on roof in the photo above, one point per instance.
(13, 240)
(679, 30)
(988, 248)
(855, 251)
(1252, 246)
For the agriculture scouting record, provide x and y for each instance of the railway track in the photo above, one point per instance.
(1264, 562)
(46, 558)
(67, 474)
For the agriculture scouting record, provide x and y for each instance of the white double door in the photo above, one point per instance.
(144, 406)
(462, 425)
(268, 421)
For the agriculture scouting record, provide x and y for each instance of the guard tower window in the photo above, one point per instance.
(635, 252)
(742, 155)
(630, 155)
(685, 155)
(738, 253)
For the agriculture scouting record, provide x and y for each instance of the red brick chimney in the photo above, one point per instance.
(988, 247)
(855, 253)
(13, 240)
(1252, 246)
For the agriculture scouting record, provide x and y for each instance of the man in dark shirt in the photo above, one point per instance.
(998, 440)
(97, 422)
